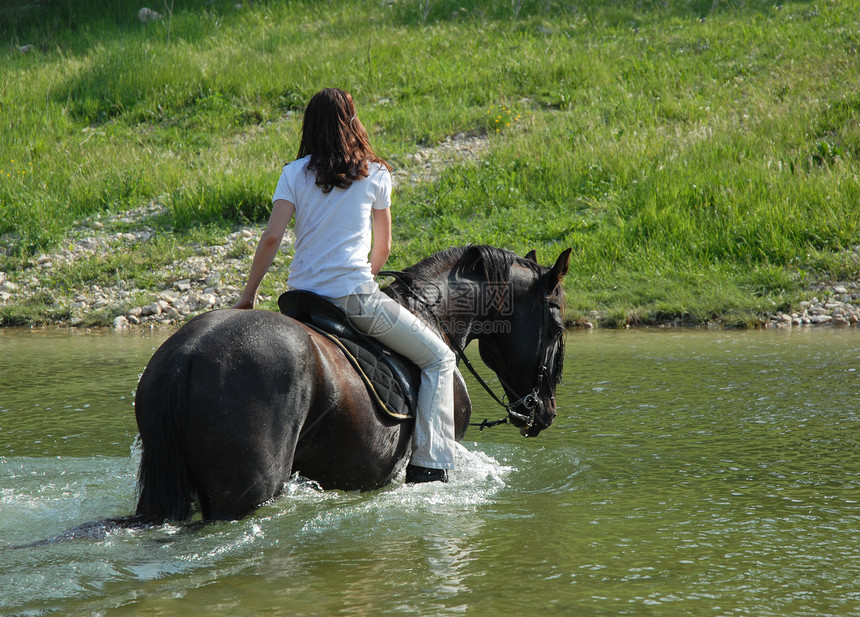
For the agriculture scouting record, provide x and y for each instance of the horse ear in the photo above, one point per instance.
(558, 271)
(532, 256)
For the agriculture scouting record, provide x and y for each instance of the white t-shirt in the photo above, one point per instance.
(333, 230)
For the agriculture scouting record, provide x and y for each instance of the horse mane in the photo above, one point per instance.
(492, 263)
(488, 262)
(419, 283)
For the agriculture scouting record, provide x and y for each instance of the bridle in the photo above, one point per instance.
(528, 401)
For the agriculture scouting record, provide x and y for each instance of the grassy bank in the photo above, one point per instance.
(700, 157)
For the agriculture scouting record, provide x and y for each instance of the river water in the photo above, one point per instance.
(688, 473)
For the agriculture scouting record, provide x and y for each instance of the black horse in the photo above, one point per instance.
(236, 401)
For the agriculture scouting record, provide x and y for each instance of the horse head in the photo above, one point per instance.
(522, 339)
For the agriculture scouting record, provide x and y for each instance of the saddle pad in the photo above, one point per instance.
(382, 385)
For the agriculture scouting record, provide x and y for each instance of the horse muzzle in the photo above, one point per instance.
(532, 423)
(540, 416)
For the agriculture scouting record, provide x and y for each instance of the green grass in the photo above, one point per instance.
(700, 157)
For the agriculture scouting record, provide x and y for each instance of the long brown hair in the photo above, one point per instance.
(336, 141)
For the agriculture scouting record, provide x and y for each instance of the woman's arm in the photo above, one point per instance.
(270, 241)
(381, 247)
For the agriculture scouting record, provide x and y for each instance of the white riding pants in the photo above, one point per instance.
(388, 322)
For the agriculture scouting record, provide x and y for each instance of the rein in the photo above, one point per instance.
(529, 401)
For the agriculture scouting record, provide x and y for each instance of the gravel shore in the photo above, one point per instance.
(208, 279)
(213, 276)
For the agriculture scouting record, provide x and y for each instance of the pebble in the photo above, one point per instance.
(146, 14)
(172, 313)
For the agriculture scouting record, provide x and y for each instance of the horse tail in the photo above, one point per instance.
(94, 530)
(165, 490)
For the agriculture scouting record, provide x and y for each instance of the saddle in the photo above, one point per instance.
(391, 380)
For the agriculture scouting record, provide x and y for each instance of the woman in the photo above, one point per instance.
(340, 193)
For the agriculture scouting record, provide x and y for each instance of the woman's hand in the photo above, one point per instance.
(244, 303)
